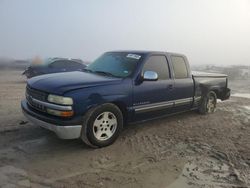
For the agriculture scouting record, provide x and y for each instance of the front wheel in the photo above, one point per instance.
(208, 103)
(102, 125)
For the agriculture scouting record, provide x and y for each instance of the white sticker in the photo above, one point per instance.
(133, 56)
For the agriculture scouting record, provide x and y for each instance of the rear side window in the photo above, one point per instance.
(159, 65)
(180, 67)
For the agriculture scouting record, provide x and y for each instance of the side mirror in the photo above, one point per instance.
(150, 76)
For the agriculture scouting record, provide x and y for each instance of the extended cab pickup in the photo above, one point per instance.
(118, 88)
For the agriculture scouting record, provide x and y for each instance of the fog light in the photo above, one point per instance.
(60, 113)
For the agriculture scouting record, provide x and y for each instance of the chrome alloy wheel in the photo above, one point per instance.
(211, 104)
(104, 126)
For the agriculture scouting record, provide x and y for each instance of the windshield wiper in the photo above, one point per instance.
(100, 72)
(105, 73)
(87, 70)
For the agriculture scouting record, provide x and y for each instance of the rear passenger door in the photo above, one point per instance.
(150, 98)
(183, 83)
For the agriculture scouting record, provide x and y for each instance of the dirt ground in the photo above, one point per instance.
(187, 150)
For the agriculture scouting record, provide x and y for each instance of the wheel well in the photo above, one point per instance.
(216, 92)
(123, 109)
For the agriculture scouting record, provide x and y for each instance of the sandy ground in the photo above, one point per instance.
(186, 150)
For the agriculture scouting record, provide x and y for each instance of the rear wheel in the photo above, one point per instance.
(102, 125)
(208, 103)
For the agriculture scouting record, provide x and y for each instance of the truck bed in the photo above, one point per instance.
(205, 74)
(204, 82)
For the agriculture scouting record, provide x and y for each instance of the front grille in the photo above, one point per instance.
(38, 95)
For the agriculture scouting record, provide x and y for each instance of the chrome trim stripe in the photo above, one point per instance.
(52, 106)
(197, 98)
(183, 101)
(155, 106)
(162, 105)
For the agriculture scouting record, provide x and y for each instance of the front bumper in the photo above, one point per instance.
(68, 131)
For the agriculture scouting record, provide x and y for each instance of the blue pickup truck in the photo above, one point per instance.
(119, 87)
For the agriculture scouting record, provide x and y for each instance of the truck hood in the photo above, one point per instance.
(59, 83)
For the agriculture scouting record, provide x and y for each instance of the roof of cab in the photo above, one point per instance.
(146, 52)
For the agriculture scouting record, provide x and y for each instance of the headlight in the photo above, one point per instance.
(60, 100)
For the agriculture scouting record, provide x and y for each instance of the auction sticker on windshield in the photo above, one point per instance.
(133, 56)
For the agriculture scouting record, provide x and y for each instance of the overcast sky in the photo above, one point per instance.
(207, 31)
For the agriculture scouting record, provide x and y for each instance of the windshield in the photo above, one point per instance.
(118, 64)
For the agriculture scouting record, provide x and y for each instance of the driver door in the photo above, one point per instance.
(154, 98)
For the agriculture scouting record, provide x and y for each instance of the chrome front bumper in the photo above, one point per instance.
(63, 132)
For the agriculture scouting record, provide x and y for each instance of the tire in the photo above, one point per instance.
(102, 125)
(208, 103)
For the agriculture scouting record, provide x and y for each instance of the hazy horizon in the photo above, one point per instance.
(207, 31)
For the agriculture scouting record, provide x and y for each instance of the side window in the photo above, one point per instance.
(180, 68)
(58, 64)
(72, 64)
(159, 65)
